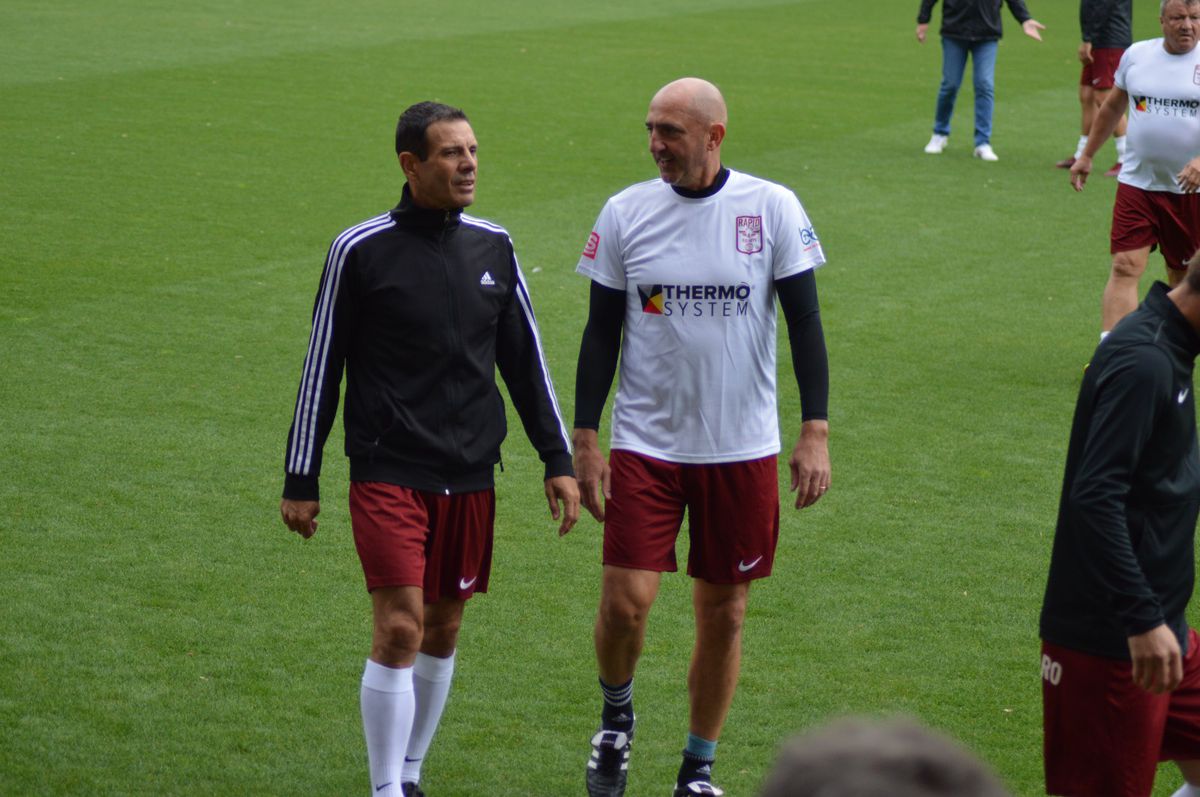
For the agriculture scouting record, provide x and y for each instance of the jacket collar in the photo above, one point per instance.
(1179, 329)
(409, 214)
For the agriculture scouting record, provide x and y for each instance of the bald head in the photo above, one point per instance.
(686, 123)
(697, 98)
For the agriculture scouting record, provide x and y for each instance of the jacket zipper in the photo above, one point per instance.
(455, 337)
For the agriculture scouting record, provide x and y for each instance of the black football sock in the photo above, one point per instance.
(694, 767)
(617, 713)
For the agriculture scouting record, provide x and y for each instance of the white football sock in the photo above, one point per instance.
(1187, 790)
(431, 685)
(1079, 147)
(387, 712)
(1120, 142)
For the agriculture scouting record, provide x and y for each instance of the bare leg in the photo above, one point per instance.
(626, 596)
(717, 656)
(1087, 108)
(386, 696)
(398, 616)
(442, 621)
(432, 676)
(1121, 292)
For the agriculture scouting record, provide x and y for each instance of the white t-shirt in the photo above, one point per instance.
(697, 379)
(1164, 114)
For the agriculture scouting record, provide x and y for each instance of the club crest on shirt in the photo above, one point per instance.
(1196, 76)
(749, 234)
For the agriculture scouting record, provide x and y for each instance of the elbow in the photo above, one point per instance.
(1093, 503)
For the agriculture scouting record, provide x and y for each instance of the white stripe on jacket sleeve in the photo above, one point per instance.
(312, 381)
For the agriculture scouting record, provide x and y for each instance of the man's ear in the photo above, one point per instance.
(716, 134)
(408, 164)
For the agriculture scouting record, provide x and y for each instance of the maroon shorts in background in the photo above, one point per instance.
(1103, 735)
(1145, 218)
(409, 538)
(733, 516)
(1100, 72)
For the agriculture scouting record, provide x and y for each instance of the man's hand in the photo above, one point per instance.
(1189, 178)
(1080, 170)
(922, 32)
(1031, 28)
(299, 516)
(1085, 53)
(810, 463)
(566, 490)
(591, 471)
(1157, 660)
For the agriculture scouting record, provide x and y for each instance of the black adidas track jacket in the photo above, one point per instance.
(420, 307)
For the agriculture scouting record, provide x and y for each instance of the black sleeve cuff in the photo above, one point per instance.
(301, 488)
(559, 464)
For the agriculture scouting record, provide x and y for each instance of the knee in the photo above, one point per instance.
(397, 637)
(622, 613)
(724, 616)
(731, 615)
(1127, 266)
(440, 638)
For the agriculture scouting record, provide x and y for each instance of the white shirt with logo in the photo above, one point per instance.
(1164, 114)
(697, 377)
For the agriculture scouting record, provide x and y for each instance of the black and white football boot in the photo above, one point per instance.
(700, 786)
(608, 768)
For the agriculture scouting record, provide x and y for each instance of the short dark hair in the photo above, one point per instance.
(1192, 275)
(865, 758)
(416, 119)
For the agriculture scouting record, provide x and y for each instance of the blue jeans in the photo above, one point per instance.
(954, 64)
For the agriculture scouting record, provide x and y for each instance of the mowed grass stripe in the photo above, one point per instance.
(67, 41)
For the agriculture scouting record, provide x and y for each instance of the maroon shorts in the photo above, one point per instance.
(1104, 735)
(1149, 218)
(733, 516)
(409, 538)
(1100, 72)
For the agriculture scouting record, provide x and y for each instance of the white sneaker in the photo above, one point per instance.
(937, 144)
(985, 153)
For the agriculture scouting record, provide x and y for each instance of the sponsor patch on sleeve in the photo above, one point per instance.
(593, 244)
(808, 237)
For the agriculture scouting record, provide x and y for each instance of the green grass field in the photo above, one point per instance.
(171, 177)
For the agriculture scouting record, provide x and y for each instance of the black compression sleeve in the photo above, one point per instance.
(598, 352)
(798, 297)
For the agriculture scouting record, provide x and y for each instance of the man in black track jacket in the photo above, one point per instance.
(1120, 668)
(1106, 29)
(420, 306)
